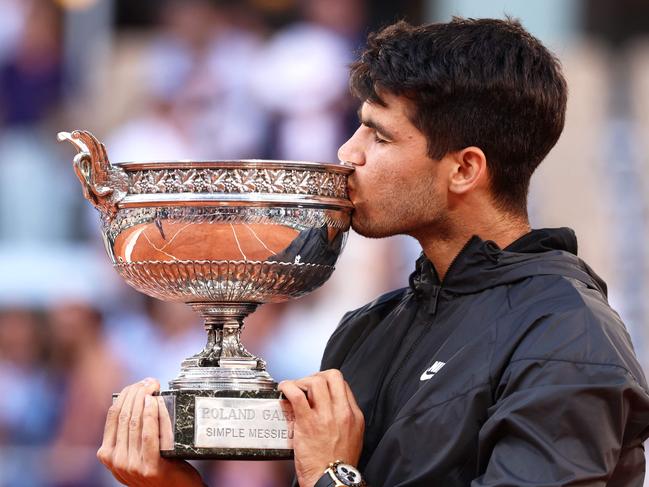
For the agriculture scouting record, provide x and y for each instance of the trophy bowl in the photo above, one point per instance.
(222, 237)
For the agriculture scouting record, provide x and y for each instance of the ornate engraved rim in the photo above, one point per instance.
(294, 185)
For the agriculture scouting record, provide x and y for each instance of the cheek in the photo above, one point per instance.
(382, 166)
(375, 186)
(384, 196)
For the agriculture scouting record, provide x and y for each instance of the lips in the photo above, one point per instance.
(350, 186)
(353, 190)
(350, 193)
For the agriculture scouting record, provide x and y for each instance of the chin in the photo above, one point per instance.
(366, 228)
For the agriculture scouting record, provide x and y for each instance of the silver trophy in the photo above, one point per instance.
(223, 237)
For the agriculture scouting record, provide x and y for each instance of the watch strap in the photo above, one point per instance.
(327, 480)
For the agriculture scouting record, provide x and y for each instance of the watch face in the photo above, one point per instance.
(348, 475)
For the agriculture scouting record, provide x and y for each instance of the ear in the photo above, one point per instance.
(469, 170)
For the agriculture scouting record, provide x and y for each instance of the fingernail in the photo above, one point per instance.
(148, 401)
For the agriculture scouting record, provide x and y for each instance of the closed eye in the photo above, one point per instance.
(385, 135)
(379, 140)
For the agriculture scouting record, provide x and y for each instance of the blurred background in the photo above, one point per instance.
(216, 79)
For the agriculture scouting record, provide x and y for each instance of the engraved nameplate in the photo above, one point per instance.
(225, 422)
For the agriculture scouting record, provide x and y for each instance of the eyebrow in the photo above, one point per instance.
(373, 124)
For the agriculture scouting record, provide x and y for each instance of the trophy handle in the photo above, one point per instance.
(103, 185)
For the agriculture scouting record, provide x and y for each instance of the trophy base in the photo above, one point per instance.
(226, 424)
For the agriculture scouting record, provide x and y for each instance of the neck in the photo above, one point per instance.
(441, 247)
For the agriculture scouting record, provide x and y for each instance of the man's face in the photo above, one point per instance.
(396, 188)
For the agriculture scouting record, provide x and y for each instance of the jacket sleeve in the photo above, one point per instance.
(561, 423)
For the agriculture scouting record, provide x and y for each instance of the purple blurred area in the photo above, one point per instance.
(230, 79)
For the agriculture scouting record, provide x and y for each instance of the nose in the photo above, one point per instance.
(351, 151)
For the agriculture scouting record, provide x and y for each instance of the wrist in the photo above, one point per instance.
(184, 475)
(309, 480)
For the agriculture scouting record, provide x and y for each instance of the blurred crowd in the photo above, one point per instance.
(230, 79)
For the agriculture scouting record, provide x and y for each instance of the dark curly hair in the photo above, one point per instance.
(472, 82)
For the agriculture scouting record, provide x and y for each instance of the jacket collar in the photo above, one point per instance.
(482, 264)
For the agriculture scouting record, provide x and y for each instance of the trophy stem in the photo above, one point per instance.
(224, 363)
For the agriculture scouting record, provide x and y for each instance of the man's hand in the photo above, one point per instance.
(131, 445)
(329, 425)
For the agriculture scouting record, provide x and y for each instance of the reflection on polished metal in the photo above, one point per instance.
(223, 237)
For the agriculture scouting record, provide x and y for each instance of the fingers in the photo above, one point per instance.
(110, 428)
(337, 390)
(328, 423)
(121, 441)
(344, 405)
(105, 452)
(150, 438)
(325, 391)
(296, 397)
(135, 424)
(124, 423)
(317, 391)
(122, 433)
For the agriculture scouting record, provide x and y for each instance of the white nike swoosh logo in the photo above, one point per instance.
(432, 370)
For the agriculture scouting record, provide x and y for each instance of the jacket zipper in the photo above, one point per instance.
(437, 290)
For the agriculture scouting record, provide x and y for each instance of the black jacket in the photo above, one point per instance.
(514, 371)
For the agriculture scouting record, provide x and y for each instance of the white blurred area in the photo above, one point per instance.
(209, 79)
